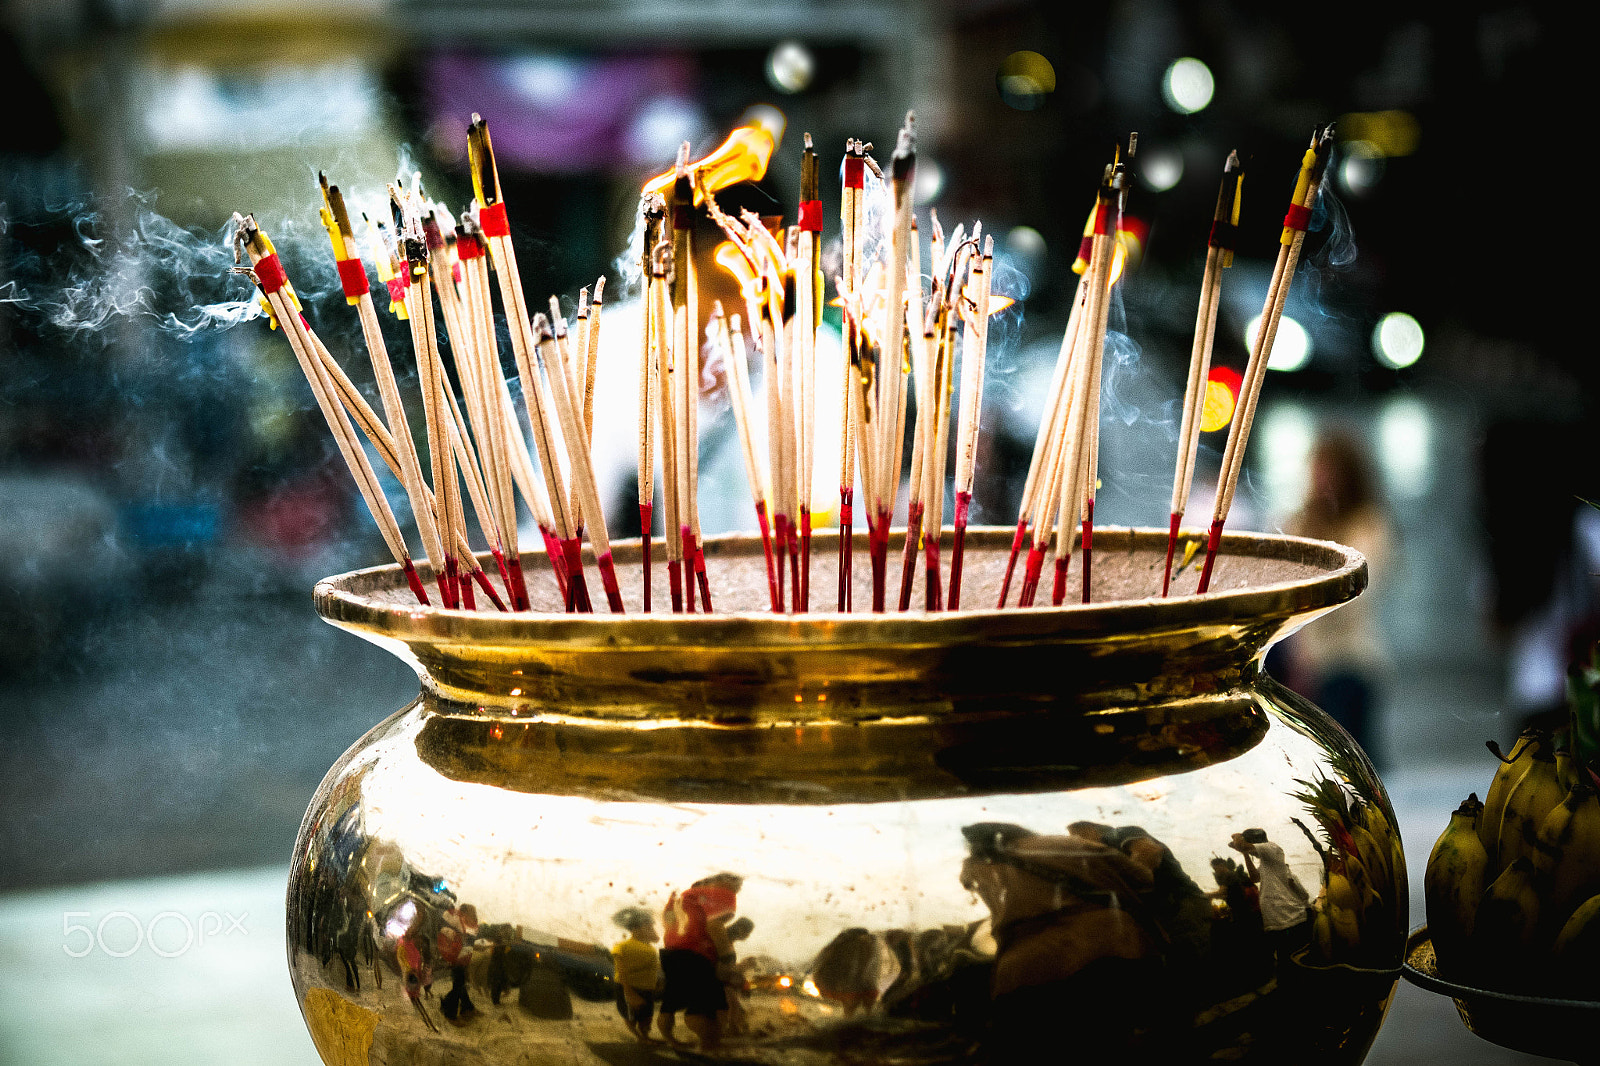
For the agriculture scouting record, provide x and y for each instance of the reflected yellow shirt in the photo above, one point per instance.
(637, 964)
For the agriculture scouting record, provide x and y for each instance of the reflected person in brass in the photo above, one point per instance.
(1285, 903)
(458, 934)
(1077, 946)
(637, 967)
(695, 947)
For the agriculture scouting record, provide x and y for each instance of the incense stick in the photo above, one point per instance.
(267, 272)
(974, 352)
(1295, 223)
(1219, 255)
(496, 228)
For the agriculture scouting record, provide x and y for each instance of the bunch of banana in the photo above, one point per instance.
(1513, 884)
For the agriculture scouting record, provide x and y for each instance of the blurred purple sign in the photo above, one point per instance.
(553, 112)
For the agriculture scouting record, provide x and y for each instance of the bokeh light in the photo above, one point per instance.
(1161, 168)
(1397, 340)
(1291, 349)
(1025, 80)
(930, 180)
(1188, 85)
(790, 67)
(1361, 166)
(1222, 395)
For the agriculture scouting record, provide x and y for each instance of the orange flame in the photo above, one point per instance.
(997, 304)
(742, 157)
(1119, 261)
(732, 260)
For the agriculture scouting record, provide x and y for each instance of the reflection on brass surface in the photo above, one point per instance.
(1093, 831)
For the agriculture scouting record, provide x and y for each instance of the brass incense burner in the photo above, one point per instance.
(961, 837)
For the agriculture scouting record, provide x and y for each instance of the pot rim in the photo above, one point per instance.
(342, 600)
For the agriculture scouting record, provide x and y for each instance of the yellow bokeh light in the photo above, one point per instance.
(1217, 411)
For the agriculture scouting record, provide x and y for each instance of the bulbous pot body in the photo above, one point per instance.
(988, 836)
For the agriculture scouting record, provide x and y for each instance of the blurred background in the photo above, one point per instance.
(168, 493)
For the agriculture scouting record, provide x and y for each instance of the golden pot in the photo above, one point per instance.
(969, 837)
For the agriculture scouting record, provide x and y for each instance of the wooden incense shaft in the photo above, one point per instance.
(494, 446)
(496, 230)
(684, 367)
(661, 334)
(853, 181)
(1219, 254)
(570, 415)
(731, 342)
(1071, 497)
(974, 353)
(441, 460)
(1051, 425)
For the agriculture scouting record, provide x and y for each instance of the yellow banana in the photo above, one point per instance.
(1505, 926)
(1578, 925)
(1533, 796)
(1453, 886)
(1566, 768)
(1343, 906)
(1376, 860)
(1574, 973)
(1505, 775)
(1322, 934)
(1575, 873)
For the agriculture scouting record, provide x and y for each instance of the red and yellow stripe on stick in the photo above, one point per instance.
(387, 264)
(352, 273)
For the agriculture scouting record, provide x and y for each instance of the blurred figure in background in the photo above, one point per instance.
(637, 965)
(1338, 661)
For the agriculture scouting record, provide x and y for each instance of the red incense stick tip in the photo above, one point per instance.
(558, 565)
(1212, 542)
(958, 551)
(519, 586)
(766, 552)
(1059, 592)
(1030, 578)
(415, 581)
(1011, 562)
(780, 541)
(572, 550)
(686, 543)
(803, 601)
(468, 601)
(705, 589)
(1088, 554)
(482, 578)
(1172, 543)
(675, 581)
(644, 546)
(608, 578)
(700, 576)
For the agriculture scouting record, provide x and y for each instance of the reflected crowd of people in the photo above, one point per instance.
(1097, 928)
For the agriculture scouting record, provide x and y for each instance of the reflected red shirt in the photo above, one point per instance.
(686, 916)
